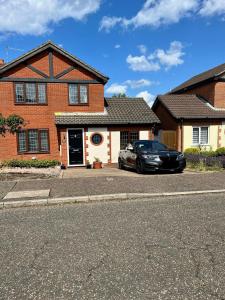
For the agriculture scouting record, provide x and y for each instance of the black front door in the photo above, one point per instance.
(76, 156)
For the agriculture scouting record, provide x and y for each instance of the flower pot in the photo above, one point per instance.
(88, 166)
(97, 165)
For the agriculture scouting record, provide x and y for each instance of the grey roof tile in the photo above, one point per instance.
(119, 111)
(189, 107)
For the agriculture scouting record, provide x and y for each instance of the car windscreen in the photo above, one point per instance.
(150, 146)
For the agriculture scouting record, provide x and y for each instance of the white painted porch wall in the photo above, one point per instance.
(100, 151)
(115, 145)
(144, 135)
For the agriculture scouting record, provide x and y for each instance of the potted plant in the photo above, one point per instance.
(97, 164)
(88, 165)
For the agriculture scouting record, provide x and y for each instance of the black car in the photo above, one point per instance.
(146, 155)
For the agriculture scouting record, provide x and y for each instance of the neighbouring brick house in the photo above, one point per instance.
(67, 116)
(193, 114)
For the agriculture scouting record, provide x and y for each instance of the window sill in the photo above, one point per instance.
(23, 153)
(200, 145)
(79, 104)
(32, 104)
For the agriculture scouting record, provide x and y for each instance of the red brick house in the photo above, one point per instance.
(67, 116)
(193, 114)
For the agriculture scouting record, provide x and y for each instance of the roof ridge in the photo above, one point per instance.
(200, 77)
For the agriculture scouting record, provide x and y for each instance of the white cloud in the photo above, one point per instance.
(141, 63)
(142, 48)
(108, 23)
(116, 88)
(212, 7)
(136, 84)
(122, 88)
(36, 16)
(159, 58)
(155, 13)
(149, 98)
(117, 46)
(171, 57)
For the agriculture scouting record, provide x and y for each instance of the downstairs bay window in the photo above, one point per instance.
(200, 135)
(33, 141)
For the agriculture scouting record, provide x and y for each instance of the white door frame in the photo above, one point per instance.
(68, 153)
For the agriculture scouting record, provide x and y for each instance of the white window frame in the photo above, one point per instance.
(199, 138)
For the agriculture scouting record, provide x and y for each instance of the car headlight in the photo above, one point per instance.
(151, 157)
(180, 156)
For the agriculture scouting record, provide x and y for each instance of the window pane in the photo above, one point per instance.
(33, 140)
(22, 141)
(73, 93)
(19, 92)
(30, 92)
(41, 93)
(44, 140)
(134, 136)
(204, 135)
(96, 139)
(83, 94)
(123, 139)
(195, 137)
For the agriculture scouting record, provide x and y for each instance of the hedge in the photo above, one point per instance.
(31, 163)
(194, 151)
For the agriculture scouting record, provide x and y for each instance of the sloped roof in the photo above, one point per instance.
(185, 106)
(51, 45)
(207, 75)
(119, 111)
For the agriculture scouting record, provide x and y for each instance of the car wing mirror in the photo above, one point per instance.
(130, 148)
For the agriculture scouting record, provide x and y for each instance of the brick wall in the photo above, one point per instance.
(220, 95)
(43, 116)
(214, 92)
(207, 91)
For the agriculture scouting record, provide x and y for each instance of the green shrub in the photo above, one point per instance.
(208, 153)
(192, 150)
(31, 163)
(220, 151)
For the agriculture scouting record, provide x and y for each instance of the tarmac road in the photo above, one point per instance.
(172, 248)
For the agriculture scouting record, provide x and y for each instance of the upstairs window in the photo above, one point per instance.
(200, 136)
(33, 141)
(78, 94)
(30, 93)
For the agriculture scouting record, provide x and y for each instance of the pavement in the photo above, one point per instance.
(155, 249)
(103, 185)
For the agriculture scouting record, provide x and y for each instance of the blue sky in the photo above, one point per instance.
(146, 47)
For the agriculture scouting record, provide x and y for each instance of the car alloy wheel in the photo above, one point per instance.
(139, 167)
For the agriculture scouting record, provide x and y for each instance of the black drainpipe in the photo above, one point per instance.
(182, 134)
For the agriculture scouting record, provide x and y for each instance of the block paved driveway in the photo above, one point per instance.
(108, 184)
(159, 249)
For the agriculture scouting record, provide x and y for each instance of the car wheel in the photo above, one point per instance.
(180, 171)
(120, 165)
(139, 167)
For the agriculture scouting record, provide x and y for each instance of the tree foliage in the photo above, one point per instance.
(11, 124)
(120, 95)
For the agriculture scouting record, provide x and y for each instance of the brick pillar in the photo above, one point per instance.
(109, 148)
(86, 153)
(63, 145)
(219, 140)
